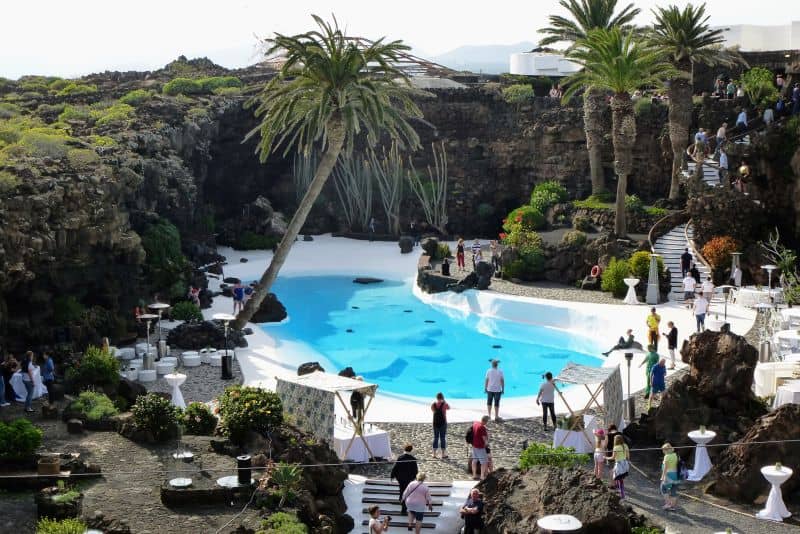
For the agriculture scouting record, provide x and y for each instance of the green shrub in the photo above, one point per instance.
(248, 409)
(187, 311)
(643, 106)
(8, 182)
(634, 204)
(528, 267)
(136, 97)
(252, 241)
(582, 223)
(287, 478)
(759, 86)
(59, 84)
(525, 242)
(544, 454)
(517, 94)
(164, 261)
(613, 278)
(443, 251)
(227, 91)
(547, 194)
(63, 526)
(82, 159)
(282, 523)
(66, 310)
(19, 439)
(102, 141)
(595, 202)
(219, 82)
(198, 419)
(182, 86)
(639, 265)
(116, 114)
(77, 89)
(74, 113)
(524, 218)
(37, 84)
(646, 530)
(653, 211)
(44, 143)
(8, 110)
(197, 113)
(93, 406)
(97, 368)
(574, 238)
(155, 414)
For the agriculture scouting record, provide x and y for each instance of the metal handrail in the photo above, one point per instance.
(692, 245)
(668, 218)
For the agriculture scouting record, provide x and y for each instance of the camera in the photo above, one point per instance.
(388, 519)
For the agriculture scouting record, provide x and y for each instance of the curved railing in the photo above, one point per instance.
(664, 225)
(695, 252)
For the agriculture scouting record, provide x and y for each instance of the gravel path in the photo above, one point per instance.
(202, 384)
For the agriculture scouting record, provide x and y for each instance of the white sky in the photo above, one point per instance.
(68, 38)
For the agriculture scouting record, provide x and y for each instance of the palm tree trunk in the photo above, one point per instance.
(336, 136)
(594, 108)
(680, 120)
(623, 135)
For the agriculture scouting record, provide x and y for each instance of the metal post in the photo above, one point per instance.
(630, 406)
(652, 281)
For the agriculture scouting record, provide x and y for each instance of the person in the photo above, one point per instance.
(723, 168)
(547, 396)
(371, 228)
(769, 116)
(653, 321)
(26, 369)
(404, 470)
(417, 498)
(48, 376)
(700, 137)
(700, 307)
(650, 359)
(477, 255)
(357, 404)
(599, 452)
(10, 366)
(555, 92)
(695, 273)
(737, 276)
(460, 254)
(494, 249)
(730, 90)
(248, 292)
(741, 119)
(611, 433)
(3, 402)
(672, 341)
(658, 378)
(669, 477)
(494, 384)
(686, 261)
(472, 512)
(412, 226)
(623, 342)
(689, 285)
(445, 267)
(238, 297)
(708, 287)
(480, 440)
(194, 295)
(376, 524)
(740, 91)
(722, 134)
(780, 107)
(796, 99)
(779, 81)
(621, 456)
(439, 408)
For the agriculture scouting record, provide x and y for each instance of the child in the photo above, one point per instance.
(376, 526)
(672, 342)
(599, 452)
(658, 376)
(489, 461)
(620, 454)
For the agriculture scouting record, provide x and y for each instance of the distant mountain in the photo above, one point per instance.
(489, 59)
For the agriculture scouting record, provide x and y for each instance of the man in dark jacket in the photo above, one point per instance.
(686, 262)
(404, 471)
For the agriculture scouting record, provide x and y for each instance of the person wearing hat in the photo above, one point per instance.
(494, 385)
(669, 477)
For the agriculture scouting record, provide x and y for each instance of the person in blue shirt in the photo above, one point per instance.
(741, 120)
(48, 376)
(658, 377)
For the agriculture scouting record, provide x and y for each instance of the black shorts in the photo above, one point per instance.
(493, 395)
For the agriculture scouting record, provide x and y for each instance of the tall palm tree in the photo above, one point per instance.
(685, 36)
(328, 91)
(618, 61)
(588, 15)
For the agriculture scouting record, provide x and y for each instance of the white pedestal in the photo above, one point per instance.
(630, 298)
(775, 509)
(702, 463)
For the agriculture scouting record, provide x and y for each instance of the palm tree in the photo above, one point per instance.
(618, 61)
(588, 15)
(684, 35)
(329, 90)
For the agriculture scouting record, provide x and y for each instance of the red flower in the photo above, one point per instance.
(519, 217)
(503, 235)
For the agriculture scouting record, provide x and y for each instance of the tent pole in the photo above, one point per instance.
(357, 431)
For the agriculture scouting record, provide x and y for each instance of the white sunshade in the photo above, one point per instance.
(331, 382)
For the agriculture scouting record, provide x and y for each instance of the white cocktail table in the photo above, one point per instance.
(702, 463)
(559, 523)
(630, 298)
(775, 508)
(176, 380)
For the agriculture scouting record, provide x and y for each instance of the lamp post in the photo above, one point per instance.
(736, 258)
(726, 290)
(227, 359)
(652, 280)
(147, 360)
(629, 406)
(769, 269)
(159, 307)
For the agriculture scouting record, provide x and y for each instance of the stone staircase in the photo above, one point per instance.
(670, 246)
(386, 494)
(710, 172)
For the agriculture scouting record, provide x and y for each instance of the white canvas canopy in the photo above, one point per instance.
(608, 382)
(310, 399)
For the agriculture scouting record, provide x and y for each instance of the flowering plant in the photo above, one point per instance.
(248, 409)
(198, 419)
(155, 414)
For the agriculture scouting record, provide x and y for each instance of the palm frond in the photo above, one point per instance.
(586, 15)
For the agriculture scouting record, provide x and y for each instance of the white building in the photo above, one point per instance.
(750, 38)
(541, 64)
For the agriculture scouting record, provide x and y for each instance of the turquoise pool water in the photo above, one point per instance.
(408, 347)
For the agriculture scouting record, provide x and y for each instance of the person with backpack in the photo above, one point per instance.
(478, 437)
(439, 409)
(670, 477)
(404, 470)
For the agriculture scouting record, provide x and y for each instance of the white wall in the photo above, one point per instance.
(535, 64)
(763, 38)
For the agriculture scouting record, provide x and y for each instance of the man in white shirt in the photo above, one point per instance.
(494, 385)
(723, 167)
(708, 288)
(741, 120)
(700, 308)
(769, 116)
(722, 133)
(547, 397)
(689, 283)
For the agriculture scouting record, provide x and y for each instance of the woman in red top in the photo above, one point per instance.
(439, 409)
(460, 254)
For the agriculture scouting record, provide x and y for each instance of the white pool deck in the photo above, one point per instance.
(267, 358)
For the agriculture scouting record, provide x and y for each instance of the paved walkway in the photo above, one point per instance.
(670, 246)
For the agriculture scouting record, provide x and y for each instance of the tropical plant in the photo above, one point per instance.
(303, 167)
(639, 265)
(93, 406)
(353, 180)
(621, 63)
(19, 439)
(518, 93)
(547, 194)
(613, 279)
(247, 409)
(544, 454)
(717, 251)
(186, 311)
(589, 15)
(155, 414)
(687, 39)
(759, 86)
(329, 90)
(786, 260)
(97, 368)
(287, 478)
(390, 174)
(432, 193)
(198, 419)
(282, 523)
(164, 261)
(60, 526)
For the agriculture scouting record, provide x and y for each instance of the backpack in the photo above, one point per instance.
(438, 416)
(469, 436)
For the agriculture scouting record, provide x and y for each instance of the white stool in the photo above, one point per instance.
(169, 359)
(191, 360)
(131, 375)
(114, 351)
(147, 375)
(215, 359)
(205, 355)
(128, 353)
(164, 368)
(135, 364)
(141, 347)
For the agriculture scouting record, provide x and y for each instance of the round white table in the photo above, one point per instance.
(559, 523)
(215, 359)
(702, 463)
(138, 363)
(775, 508)
(630, 298)
(176, 380)
(750, 296)
(792, 336)
(715, 325)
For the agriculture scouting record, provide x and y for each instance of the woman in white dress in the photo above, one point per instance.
(27, 382)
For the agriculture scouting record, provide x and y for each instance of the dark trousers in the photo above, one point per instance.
(51, 397)
(552, 408)
(403, 484)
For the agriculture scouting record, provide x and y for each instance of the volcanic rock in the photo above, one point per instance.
(270, 311)
(308, 368)
(196, 336)
(406, 244)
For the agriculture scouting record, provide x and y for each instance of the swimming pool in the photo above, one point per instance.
(408, 347)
